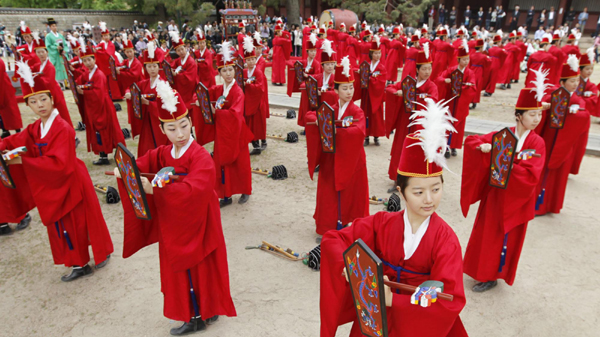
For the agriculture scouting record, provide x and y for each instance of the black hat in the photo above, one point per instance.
(51, 21)
(394, 203)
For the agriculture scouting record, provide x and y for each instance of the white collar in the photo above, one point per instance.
(461, 70)
(521, 140)
(202, 51)
(43, 65)
(130, 62)
(342, 110)
(46, 127)
(374, 66)
(226, 88)
(30, 46)
(420, 83)
(55, 34)
(325, 81)
(258, 58)
(411, 241)
(153, 84)
(251, 71)
(185, 58)
(585, 79)
(183, 149)
(308, 64)
(93, 71)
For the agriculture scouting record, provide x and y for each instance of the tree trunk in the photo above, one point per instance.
(293, 12)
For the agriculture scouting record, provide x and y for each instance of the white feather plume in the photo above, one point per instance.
(167, 96)
(248, 44)
(151, 49)
(23, 27)
(425, 26)
(354, 25)
(548, 36)
(36, 37)
(346, 66)
(226, 51)
(148, 34)
(436, 121)
(573, 62)
(539, 84)
(417, 33)
(377, 40)
(102, 25)
(124, 38)
(382, 27)
(313, 39)
(426, 49)
(25, 72)
(119, 57)
(326, 48)
(401, 27)
(174, 36)
(590, 54)
(199, 32)
(323, 27)
(72, 39)
(465, 45)
(257, 37)
(499, 32)
(83, 46)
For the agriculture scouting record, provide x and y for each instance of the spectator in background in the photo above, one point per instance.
(297, 39)
(442, 15)
(493, 20)
(159, 27)
(488, 18)
(452, 17)
(551, 17)
(500, 19)
(514, 20)
(431, 16)
(468, 15)
(597, 28)
(172, 27)
(539, 34)
(529, 19)
(597, 42)
(583, 17)
(141, 45)
(134, 27)
(480, 17)
(542, 18)
(570, 17)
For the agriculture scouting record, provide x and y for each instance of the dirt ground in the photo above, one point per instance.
(554, 293)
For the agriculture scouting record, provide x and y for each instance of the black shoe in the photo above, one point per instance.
(80, 127)
(243, 199)
(24, 223)
(484, 286)
(473, 106)
(366, 142)
(5, 229)
(255, 152)
(256, 146)
(317, 168)
(392, 189)
(502, 87)
(453, 152)
(103, 263)
(263, 144)
(376, 141)
(5, 134)
(447, 154)
(508, 86)
(225, 202)
(195, 324)
(102, 161)
(319, 239)
(77, 273)
(303, 133)
(77, 142)
(487, 94)
(212, 320)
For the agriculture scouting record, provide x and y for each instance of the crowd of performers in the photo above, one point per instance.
(191, 265)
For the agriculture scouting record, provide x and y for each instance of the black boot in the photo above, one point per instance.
(103, 263)
(447, 154)
(243, 199)
(317, 168)
(256, 147)
(502, 86)
(77, 142)
(24, 223)
(103, 160)
(376, 141)
(366, 141)
(473, 106)
(484, 286)
(263, 144)
(508, 86)
(212, 320)
(5, 134)
(77, 272)
(225, 202)
(487, 94)
(453, 152)
(195, 324)
(5, 229)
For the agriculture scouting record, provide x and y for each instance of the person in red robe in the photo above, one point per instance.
(351, 47)
(229, 133)
(60, 184)
(261, 65)
(254, 89)
(498, 56)
(540, 60)
(410, 64)
(104, 51)
(396, 117)
(510, 63)
(10, 116)
(342, 41)
(204, 58)
(306, 31)
(27, 49)
(75, 65)
(480, 64)
(241, 35)
(162, 52)
(148, 126)
(103, 132)
(193, 257)
(395, 48)
(570, 48)
(416, 245)
(459, 105)
(586, 89)
(444, 52)
(382, 34)
(15, 203)
(185, 70)
(523, 52)
(499, 231)
(282, 48)
(129, 72)
(563, 146)
(342, 189)
(457, 43)
(364, 47)
(332, 35)
(372, 98)
(312, 68)
(561, 58)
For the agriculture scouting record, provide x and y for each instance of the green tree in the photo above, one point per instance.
(196, 11)
(409, 12)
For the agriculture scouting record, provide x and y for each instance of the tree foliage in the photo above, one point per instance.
(408, 12)
(196, 11)
(76, 4)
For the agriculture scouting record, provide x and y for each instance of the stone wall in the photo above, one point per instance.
(67, 18)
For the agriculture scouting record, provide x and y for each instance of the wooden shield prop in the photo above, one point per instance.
(240, 61)
(311, 92)
(168, 72)
(580, 88)
(204, 102)
(136, 100)
(504, 146)
(133, 184)
(239, 75)
(15, 52)
(113, 67)
(73, 86)
(299, 71)
(365, 275)
(409, 93)
(456, 82)
(65, 62)
(365, 73)
(5, 177)
(559, 107)
(326, 118)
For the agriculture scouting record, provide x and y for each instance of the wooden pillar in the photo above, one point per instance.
(560, 18)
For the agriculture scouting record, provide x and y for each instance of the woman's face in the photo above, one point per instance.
(530, 119)
(251, 62)
(312, 53)
(41, 104)
(152, 69)
(463, 62)
(345, 91)
(422, 196)
(42, 54)
(89, 62)
(424, 72)
(129, 53)
(227, 73)
(571, 84)
(587, 71)
(178, 132)
(329, 67)
(106, 37)
(181, 51)
(376, 55)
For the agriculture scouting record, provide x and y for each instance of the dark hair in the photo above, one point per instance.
(47, 93)
(336, 86)
(402, 182)
(519, 113)
(581, 68)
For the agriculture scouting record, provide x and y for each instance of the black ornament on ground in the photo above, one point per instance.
(394, 203)
(314, 258)
(279, 172)
(126, 133)
(292, 137)
(112, 196)
(117, 106)
(291, 114)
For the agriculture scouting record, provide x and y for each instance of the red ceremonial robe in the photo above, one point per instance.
(565, 156)
(103, 51)
(393, 62)
(100, 113)
(571, 49)
(364, 48)
(397, 118)
(186, 80)
(410, 65)
(231, 137)
(561, 58)
(63, 193)
(539, 59)
(502, 213)
(240, 41)
(10, 115)
(460, 105)
(49, 76)
(342, 44)
(254, 113)
(351, 50)
(128, 76)
(15, 203)
(293, 85)
(372, 101)
(189, 243)
(281, 53)
(305, 36)
(343, 184)
(77, 65)
(328, 96)
(498, 56)
(456, 44)
(480, 64)
(261, 65)
(438, 257)
(28, 56)
(206, 72)
(148, 128)
(591, 102)
(443, 53)
(522, 54)
(511, 61)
